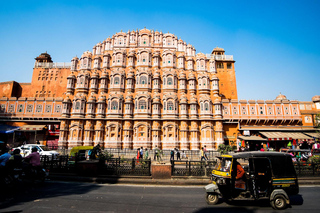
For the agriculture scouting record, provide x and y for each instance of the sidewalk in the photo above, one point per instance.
(147, 180)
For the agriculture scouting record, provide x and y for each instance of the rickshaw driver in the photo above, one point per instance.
(240, 182)
(240, 171)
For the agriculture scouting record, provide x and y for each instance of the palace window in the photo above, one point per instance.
(39, 108)
(143, 80)
(57, 108)
(261, 111)
(220, 65)
(116, 80)
(20, 108)
(142, 104)
(170, 105)
(114, 105)
(48, 108)
(11, 108)
(169, 81)
(206, 106)
(3, 108)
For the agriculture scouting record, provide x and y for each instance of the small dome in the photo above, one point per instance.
(200, 55)
(156, 74)
(104, 75)
(156, 99)
(75, 58)
(218, 49)
(67, 99)
(316, 98)
(183, 99)
(130, 74)
(281, 97)
(71, 75)
(86, 54)
(191, 75)
(214, 77)
(92, 99)
(44, 57)
(129, 98)
(102, 99)
(182, 75)
(193, 99)
(95, 75)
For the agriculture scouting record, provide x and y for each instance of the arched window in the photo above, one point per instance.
(82, 80)
(114, 105)
(169, 81)
(143, 80)
(142, 104)
(77, 105)
(170, 105)
(206, 106)
(116, 80)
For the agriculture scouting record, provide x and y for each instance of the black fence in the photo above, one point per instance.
(113, 166)
(304, 169)
(192, 168)
(125, 166)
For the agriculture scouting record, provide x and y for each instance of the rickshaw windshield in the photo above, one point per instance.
(223, 164)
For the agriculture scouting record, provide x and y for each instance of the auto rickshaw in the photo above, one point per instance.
(266, 175)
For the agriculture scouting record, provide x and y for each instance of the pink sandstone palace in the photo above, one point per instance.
(145, 88)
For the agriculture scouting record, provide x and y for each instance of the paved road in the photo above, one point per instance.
(86, 197)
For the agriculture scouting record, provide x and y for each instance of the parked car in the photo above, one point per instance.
(25, 150)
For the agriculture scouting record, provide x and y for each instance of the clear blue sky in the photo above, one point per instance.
(275, 43)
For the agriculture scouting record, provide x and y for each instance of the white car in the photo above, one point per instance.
(26, 149)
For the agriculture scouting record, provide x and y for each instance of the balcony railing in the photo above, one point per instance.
(52, 65)
(220, 57)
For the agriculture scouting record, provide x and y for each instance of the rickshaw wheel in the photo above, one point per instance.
(212, 199)
(279, 202)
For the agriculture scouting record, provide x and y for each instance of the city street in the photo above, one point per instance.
(87, 197)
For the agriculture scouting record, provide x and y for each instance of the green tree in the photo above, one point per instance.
(317, 118)
(224, 149)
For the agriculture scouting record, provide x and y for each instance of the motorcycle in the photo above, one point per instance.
(35, 174)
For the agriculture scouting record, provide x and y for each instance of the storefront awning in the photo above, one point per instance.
(32, 127)
(298, 135)
(6, 129)
(251, 138)
(313, 134)
(276, 136)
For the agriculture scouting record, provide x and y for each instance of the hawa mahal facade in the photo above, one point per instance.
(145, 88)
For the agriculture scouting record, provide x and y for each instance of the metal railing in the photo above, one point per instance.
(142, 167)
(220, 57)
(192, 168)
(52, 64)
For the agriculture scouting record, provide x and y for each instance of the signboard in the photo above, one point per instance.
(246, 132)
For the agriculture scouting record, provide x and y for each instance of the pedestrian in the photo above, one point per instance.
(141, 152)
(178, 155)
(202, 154)
(184, 156)
(146, 154)
(172, 155)
(156, 153)
(4, 157)
(38, 142)
(205, 152)
(138, 153)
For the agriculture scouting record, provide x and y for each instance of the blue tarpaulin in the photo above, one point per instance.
(7, 128)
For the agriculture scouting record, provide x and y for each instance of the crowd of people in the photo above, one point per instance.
(9, 160)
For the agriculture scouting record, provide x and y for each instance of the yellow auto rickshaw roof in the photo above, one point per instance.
(76, 149)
